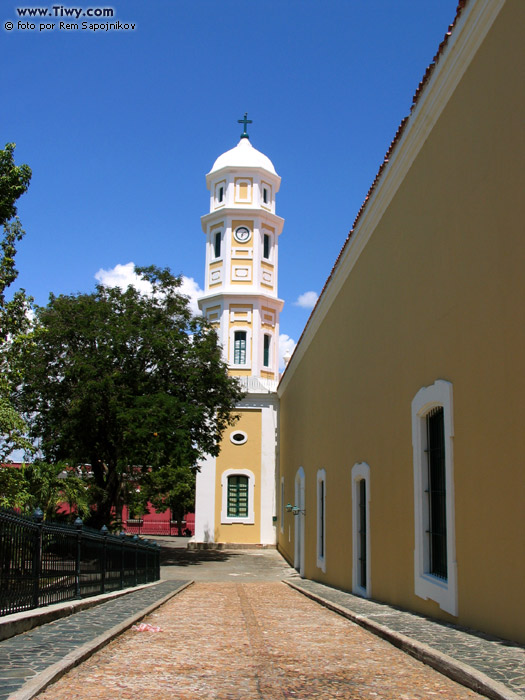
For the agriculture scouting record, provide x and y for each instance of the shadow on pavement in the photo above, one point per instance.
(171, 556)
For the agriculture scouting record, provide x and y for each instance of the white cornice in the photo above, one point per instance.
(241, 297)
(243, 171)
(468, 34)
(236, 212)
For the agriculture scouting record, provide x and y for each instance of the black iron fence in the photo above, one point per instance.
(43, 563)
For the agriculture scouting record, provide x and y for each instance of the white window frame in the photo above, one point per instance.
(218, 186)
(248, 362)
(214, 234)
(238, 432)
(269, 259)
(282, 505)
(266, 186)
(426, 585)
(269, 366)
(225, 518)
(300, 502)
(321, 520)
(360, 472)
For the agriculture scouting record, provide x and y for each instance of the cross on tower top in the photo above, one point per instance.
(245, 121)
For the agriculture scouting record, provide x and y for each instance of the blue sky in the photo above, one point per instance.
(120, 127)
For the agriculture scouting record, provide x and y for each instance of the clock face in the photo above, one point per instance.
(242, 234)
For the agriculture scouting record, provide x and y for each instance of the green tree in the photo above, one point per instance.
(51, 485)
(172, 487)
(14, 181)
(45, 486)
(13, 488)
(125, 382)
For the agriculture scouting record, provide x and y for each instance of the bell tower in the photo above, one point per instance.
(236, 491)
(242, 242)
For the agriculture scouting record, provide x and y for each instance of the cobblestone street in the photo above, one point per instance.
(227, 641)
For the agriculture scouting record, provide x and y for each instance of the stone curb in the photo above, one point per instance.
(17, 623)
(225, 546)
(42, 680)
(447, 665)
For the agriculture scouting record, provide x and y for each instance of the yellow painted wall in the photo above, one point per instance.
(437, 293)
(246, 456)
(243, 189)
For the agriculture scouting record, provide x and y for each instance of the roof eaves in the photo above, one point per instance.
(401, 128)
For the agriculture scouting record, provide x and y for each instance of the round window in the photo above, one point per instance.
(238, 437)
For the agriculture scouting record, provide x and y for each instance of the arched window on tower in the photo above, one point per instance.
(239, 349)
(266, 349)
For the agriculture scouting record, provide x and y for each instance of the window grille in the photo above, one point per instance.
(436, 493)
(362, 533)
(239, 348)
(238, 496)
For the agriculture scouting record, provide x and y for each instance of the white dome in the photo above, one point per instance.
(244, 155)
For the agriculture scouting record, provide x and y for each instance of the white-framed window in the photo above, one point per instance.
(267, 246)
(435, 566)
(299, 540)
(321, 519)
(267, 350)
(238, 487)
(266, 195)
(282, 504)
(220, 193)
(361, 582)
(240, 347)
(217, 244)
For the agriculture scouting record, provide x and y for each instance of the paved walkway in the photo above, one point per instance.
(238, 632)
(495, 667)
(29, 659)
(251, 641)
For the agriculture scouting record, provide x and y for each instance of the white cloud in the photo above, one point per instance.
(307, 300)
(286, 346)
(191, 289)
(124, 275)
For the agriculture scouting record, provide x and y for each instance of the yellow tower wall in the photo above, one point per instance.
(246, 456)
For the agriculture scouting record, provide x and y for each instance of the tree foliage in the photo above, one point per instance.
(46, 486)
(125, 382)
(172, 487)
(14, 181)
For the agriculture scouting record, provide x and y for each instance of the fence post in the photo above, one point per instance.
(78, 524)
(38, 517)
(104, 532)
(122, 555)
(136, 541)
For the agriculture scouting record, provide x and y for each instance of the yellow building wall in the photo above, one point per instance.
(437, 293)
(246, 456)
